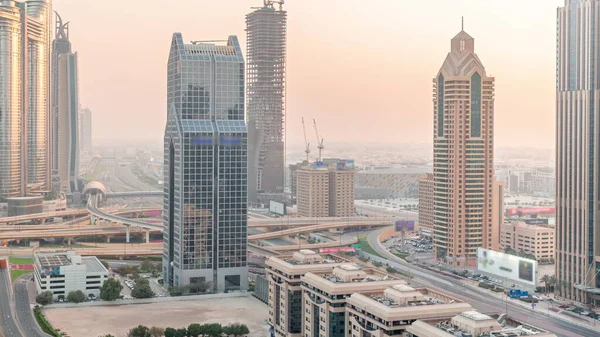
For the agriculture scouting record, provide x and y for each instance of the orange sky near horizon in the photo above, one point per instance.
(363, 69)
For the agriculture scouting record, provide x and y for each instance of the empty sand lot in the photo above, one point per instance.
(92, 321)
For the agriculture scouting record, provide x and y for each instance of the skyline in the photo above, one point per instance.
(405, 66)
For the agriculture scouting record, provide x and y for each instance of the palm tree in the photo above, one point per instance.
(553, 282)
(546, 280)
(563, 284)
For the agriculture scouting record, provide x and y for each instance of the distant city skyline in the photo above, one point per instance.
(327, 78)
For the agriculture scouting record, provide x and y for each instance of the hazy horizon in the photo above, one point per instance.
(363, 71)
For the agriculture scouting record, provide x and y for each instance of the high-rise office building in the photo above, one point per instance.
(65, 112)
(426, 195)
(577, 151)
(266, 60)
(463, 170)
(206, 163)
(85, 130)
(24, 76)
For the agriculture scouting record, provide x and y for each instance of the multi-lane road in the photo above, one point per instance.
(24, 313)
(479, 299)
(8, 326)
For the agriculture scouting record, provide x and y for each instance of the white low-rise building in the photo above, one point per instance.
(64, 272)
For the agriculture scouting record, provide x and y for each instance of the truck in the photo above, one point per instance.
(3, 263)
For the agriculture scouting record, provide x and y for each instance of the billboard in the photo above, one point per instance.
(50, 271)
(405, 225)
(508, 266)
(337, 250)
(516, 211)
(276, 207)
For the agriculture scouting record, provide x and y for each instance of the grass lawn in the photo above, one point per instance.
(15, 274)
(365, 247)
(20, 260)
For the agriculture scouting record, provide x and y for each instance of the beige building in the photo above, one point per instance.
(426, 202)
(534, 239)
(324, 297)
(284, 275)
(463, 170)
(473, 323)
(400, 182)
(391, 311)
(325, 190)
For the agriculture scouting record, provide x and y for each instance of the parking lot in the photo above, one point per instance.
(128, 285)
(413, 247)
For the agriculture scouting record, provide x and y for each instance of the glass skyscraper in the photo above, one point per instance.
(24, 101)
(206, 163)
(577, 146)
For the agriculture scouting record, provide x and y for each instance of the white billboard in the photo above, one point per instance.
(276, 207)
(508, 266)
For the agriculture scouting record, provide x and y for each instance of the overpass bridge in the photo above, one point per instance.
(134, 194)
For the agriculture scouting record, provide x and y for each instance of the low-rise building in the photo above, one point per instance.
(473, 323)
(324, 296)
(284, 274)
(64, 272)
(533, 239)
(391, 311)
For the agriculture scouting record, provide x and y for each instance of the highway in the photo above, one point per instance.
(24, 312)
(8, 327)
(478, 298)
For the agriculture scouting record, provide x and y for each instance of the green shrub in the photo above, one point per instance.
(44, 324)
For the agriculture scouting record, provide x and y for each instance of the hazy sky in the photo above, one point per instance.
(363, 69)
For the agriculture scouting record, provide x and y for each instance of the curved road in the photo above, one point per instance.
(8, 326)
(24, 311)
(481, 300)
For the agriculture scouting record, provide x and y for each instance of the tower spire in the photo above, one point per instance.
(462, 24)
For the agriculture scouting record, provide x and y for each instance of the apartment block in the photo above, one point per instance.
(325, 295)
(391, 311)
(284, 275)
(473, 323)
(426, 187)
(326, 188)
(62, 273)
(538, 240)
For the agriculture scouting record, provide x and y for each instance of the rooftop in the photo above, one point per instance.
(306, 257)
(403, 295)
(54, 260)
(92, 264)
(352, 273)
(473, 323)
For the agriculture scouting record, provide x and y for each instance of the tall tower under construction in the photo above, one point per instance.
(265, 99)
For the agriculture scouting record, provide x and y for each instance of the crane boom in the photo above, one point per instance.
(320, 140)
(306, 143)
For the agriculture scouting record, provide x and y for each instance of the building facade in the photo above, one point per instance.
(391, 311)
(463, 156)
(25, 73)
(85, 130)
(402, 182)
(65, 126)
(205, 166)
(533, 239)
(326, 189)
(577, 151)
(293, 169)
(266, 67)
(62, 273)
(284, 274)
(426, 202)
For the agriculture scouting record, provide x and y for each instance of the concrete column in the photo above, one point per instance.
(127, 234)
(92, 220)
(69, 241)
(108, 239)
(147, 236)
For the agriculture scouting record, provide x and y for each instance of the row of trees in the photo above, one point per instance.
(520, 253)
(77, 296)
(193, 330)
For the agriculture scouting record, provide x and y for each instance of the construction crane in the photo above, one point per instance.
(271, 3)
(307, 150)
(319, 142)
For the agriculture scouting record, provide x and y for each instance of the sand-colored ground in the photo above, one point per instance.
(95, 321)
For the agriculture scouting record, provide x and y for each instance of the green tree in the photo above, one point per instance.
(553, 282)
(236, 329)
(105, 264)
(156, 331)
(391, 270)
(108, 335)
(214, 330)
(76, 296)
(139, 331)
(146, 266)
(199, 287)
(195, 330)
(44, 298)
(546, 280)
(170, 332)
(182, 332)
(111, 290)
(142, 289)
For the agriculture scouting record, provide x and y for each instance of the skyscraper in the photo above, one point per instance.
(85, 130)
(266, 52)
(24, 75)
(206, 163)
(65, 112)
(577, 136)
(463, 168)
